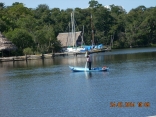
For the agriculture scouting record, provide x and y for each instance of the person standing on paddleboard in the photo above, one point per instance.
(89, 61)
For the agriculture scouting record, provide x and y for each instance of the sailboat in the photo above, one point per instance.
(72, 37)
(93, 47)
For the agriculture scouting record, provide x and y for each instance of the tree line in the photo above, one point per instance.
(35, 30)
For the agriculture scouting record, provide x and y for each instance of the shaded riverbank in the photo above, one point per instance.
(46, 56)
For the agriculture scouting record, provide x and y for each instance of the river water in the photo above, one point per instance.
(48, 88)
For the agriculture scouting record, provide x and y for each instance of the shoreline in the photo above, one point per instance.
(45, 56)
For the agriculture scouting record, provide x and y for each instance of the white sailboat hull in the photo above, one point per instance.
(76, 49)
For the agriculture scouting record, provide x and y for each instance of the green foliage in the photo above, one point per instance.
(94, 3)
(2, 25)
(21, 38)
(38, 28)
(27, 51)
(141, 26)
(2, 5)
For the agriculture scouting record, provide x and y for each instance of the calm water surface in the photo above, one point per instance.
(49, 89)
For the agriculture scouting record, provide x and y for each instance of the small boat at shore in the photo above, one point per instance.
(83, 69)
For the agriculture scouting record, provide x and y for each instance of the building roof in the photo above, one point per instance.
(66, 38)
(5, 44)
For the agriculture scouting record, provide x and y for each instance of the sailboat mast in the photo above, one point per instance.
(92, 31)
(82, 36)
(73, 27)
(69, 36)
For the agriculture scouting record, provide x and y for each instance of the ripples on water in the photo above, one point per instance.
(48, 88)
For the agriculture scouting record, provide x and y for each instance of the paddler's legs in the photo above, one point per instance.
(89, 65)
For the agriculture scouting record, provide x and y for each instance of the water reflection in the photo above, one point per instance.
(99, 59)
(88, 75)
(48, 87)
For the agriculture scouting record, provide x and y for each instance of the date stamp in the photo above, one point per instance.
(129, 104)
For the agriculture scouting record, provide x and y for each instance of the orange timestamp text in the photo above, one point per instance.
(129, 104)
